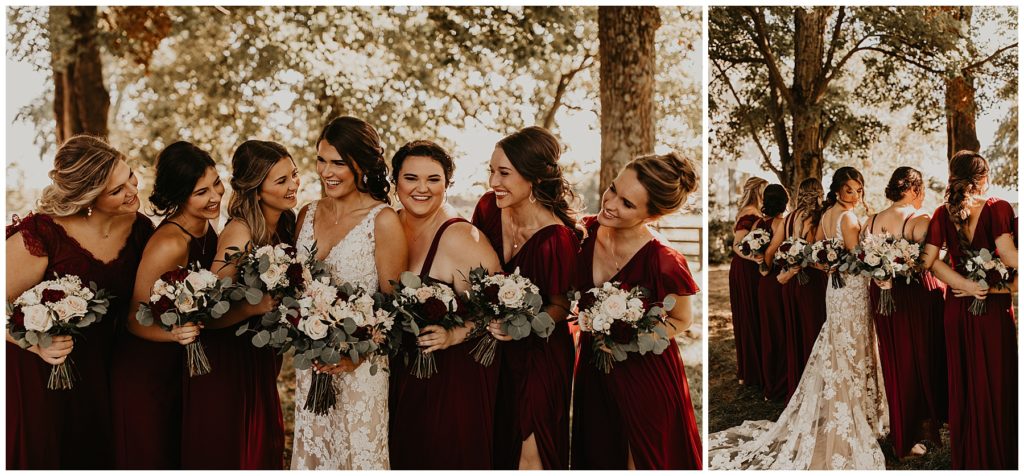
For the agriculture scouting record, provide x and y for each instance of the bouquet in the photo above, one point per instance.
(419, 304)
(756, 243)
(277, 270)
(984, 268)
(334, 320)
(791, 254)
(57, 307)
(182, 296)
(884, 258)
(622, 321)
(512, 300)
(832, 255)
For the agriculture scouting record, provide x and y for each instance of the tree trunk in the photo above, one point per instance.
(807, 138)
(627, 56)
(961, 108)
(80, 102)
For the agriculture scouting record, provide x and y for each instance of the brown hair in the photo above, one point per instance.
(903, 179)
(808, 199)
(423, 148)
(839, 178)
(669, 179)
(966, 170)
(776, 198)
(359, 144)
(753, 189)
(534, 152)
(80, 171)
(250, 166)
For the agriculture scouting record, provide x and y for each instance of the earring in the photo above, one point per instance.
(88, 211)
(365, 179)
(532, 198)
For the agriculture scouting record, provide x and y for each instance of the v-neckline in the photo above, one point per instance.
(523, 246)
(87, 252)
(981, 214)
(335, 246)
(593, 253)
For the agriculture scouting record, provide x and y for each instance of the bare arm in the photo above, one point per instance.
(680, 317)
(164, 252)
(778, 236)
(850, 227)
(390, 254)
(737, 238)
(25, 270)
(237, 235)
(1007, 250)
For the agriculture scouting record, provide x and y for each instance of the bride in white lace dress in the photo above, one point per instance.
(354, 434)
(838, 412)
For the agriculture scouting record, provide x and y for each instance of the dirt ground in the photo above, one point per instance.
(731, 404)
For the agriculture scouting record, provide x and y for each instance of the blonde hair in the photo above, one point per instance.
(80, 172)
(753, 190)
(250, 166)
(669, 180)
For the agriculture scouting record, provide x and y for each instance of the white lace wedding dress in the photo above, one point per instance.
(838, 411)
(354, 434)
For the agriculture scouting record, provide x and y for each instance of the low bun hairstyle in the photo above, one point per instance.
(839, 178)
(808, 199)
(423, 148)
(776, 198)
(669, 180)
(966, 171)
(534, 153)
(80, 172)
(903, 179)
(753, 189)
(178, 168)
(359, 144)
(250, 166)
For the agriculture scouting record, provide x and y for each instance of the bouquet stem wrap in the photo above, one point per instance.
(62, 375)
(196, 359)
(322, 395)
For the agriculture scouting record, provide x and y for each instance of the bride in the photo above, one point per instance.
(838, 412)
(350, 162)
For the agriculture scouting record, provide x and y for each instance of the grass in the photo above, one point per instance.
(732, 404)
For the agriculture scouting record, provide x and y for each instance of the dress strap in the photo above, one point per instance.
(429, 260)
(789, 224)
(179, 227)
(903, 230)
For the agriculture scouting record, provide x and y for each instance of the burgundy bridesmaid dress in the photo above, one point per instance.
(743, 283)
(446, 421)
(912, 349)
(643, 405)
(231, 417)
(146, 386)
(772, 326)
(981, 354)
(535, 378)
(804, 309)
(70, 429)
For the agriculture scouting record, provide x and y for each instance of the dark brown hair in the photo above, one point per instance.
(669, 179)
(359, 144)
(966, 170)
(903, 180)
(774, 201)
(839, 178)
(423, 148)
(534, 153)
(178, 168)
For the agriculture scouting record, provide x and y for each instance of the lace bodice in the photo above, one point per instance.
(353, 435)
(838, 412)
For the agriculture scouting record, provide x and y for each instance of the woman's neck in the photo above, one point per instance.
(271, 216)
(350, 202)
(196, 226)
(633, 234)
(526, 215)
(417, 226)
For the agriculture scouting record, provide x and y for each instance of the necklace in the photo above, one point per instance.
(515, 232)
(611, 251)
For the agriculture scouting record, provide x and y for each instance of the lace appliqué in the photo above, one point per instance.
(354, 435)
(838, 411)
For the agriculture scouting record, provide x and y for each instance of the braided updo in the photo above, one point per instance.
(903, 179)
(967, 169)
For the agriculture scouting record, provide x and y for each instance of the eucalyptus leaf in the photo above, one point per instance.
(261, 339)
(410, 280)
(253, 296)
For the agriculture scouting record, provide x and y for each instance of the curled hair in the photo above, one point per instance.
(753, 189)
(669, 179)
(250, 166)
(966, 171)
(775, 200)
(808, 199)
(178, 168)
(903, 179)
(80, 172)
(534, 153)
(423, 148)
(359, 144)
(839, 178)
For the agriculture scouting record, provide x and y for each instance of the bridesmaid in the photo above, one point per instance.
(743, 280)
(770, 312)
(911, 341)
(803, 303)
(446, 421)
(86, 224)
(981, 351)
(530, 224)
(147, 372)
(232, 416)
(640, 415)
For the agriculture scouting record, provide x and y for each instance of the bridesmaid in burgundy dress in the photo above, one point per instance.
(770, 312)
(638, 416)
(446, 421)
(911, 341)
(981, 351)
(743, 280)
(529, 222)
(803, 303)
(232, 416)
(87, 224)
(147, 373)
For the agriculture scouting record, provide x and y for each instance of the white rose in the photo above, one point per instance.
(364, 304)
(832, 256)
(186, 303)
(872, 260)
(601, 322)
(29, 298)
(634, 314)
(989, 265)
(321, 294)
(37, 318)
(314, 328)
(424, 293)
(636, 303)
(63, 310)
(614, 306)
(510, 295)
(384, 319)
(77, 305)
(272, 276)
(411, 292)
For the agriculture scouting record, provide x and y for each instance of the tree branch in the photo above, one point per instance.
(831, 50)
(563, 85)
(903, 58)
(750, 123)
(991, 57)
(760, 38)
